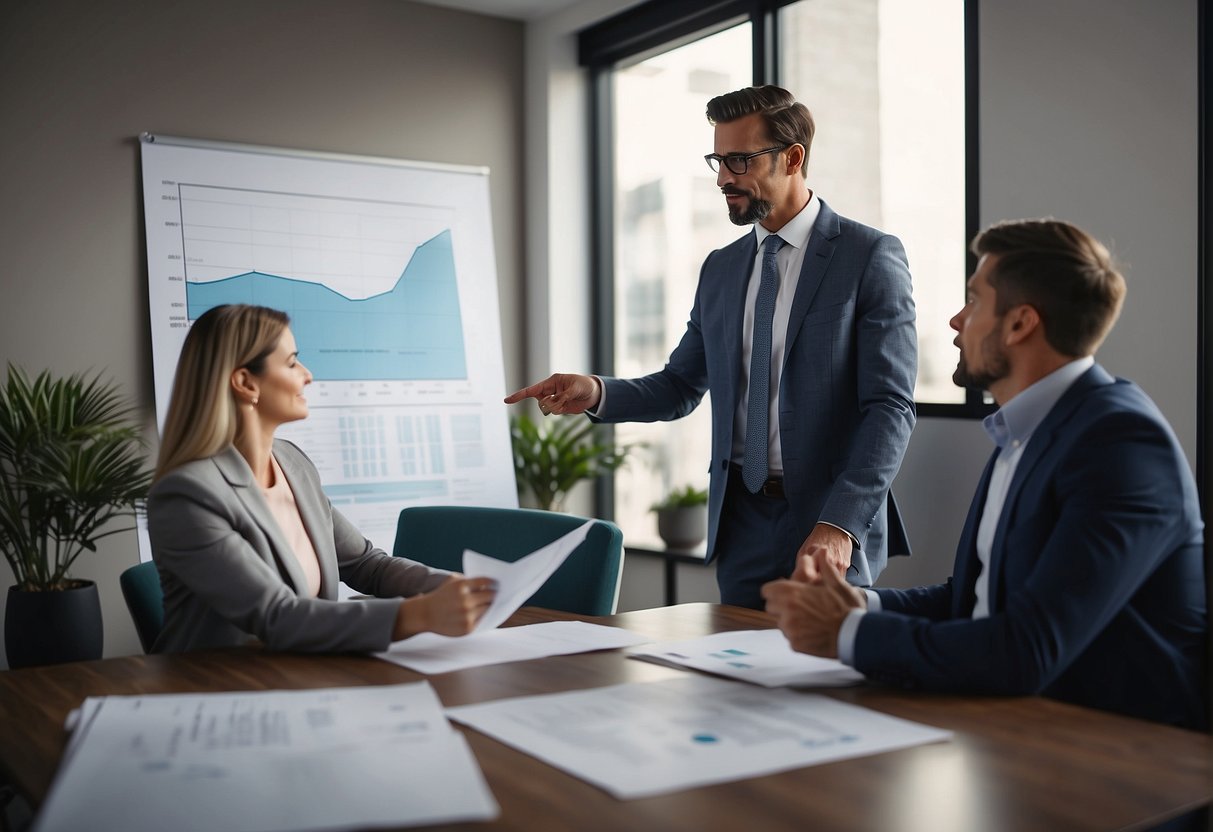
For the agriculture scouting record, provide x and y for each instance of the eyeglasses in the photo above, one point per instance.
(738, 163)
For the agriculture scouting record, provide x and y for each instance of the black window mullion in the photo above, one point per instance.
(602, 251)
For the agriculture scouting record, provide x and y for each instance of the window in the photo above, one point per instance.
(886, 82)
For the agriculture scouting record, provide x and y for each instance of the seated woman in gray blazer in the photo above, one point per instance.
(245, 540)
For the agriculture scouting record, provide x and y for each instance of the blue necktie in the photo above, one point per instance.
(754, 465)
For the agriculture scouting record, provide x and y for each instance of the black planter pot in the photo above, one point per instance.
(53, 627)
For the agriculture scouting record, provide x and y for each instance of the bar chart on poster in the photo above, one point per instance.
(387, 272)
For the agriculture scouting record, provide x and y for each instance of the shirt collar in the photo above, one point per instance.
(796, 231)
(1015, 421)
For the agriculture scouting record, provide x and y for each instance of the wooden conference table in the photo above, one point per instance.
(1013, 764)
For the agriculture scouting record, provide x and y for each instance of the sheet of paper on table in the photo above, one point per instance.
(761, 657)
(432, 653)
(643, 739)
(332, 759)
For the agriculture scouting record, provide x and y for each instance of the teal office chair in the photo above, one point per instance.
(145, 600)
(587, 582)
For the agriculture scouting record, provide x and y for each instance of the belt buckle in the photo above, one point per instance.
(772, 488)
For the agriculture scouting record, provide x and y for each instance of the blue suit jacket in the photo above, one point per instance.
(846, 394)
(1096, 575)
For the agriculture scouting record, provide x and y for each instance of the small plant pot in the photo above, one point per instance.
(682, 528)
(52, 626)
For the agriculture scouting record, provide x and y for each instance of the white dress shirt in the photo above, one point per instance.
(795, 233)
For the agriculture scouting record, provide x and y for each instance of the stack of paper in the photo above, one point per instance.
(339, 758)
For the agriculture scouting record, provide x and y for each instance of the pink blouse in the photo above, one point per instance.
(282, 504)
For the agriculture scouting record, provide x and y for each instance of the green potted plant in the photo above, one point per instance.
(682, 517)
(71, 461)
(552, 456)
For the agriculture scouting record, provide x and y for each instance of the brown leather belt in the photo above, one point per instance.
(773, 487)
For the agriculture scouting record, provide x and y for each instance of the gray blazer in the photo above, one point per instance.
(228, 573)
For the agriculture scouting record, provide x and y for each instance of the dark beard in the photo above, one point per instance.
(756, 210)
(997, 367)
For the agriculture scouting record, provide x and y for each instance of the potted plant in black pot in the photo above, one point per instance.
(71, 461)
(552, 456)
(682, 517)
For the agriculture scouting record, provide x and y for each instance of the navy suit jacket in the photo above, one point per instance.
(1096, 589)
(846, 394)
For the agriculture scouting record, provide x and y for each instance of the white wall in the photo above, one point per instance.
(79, 80)
(1088, 113)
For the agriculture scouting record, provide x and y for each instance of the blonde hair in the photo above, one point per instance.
(202, 413)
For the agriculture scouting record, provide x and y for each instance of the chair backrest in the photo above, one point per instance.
(145, 600)
(587, 582)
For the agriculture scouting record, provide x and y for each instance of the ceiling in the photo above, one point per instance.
(513, 9)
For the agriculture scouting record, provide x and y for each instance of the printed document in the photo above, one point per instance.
(334, 759)
(761, 657)
(433, 653)
(644, 739)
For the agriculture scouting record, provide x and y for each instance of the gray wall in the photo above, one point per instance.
(80, 80)
(1088, 113)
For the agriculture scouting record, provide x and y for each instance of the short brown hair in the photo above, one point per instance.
(788, 121)
(1060, 270)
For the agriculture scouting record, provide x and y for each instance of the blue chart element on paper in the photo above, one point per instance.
(413, 332)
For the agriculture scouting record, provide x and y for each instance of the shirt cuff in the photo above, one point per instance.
(846, 636)
(849, 630)
(601, 397)
(874, 604)
(854, 542)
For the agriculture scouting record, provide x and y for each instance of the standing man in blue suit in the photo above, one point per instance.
(1079, 573)
(803, 331)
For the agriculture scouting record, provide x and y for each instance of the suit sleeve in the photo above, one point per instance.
(1117, 495)
(370, 570)
(672, 392)
(887, 368)
(933, 602)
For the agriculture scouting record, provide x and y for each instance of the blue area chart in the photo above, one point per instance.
(413, 332)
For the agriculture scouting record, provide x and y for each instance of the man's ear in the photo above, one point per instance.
(1020, 323)
(796, 159)
(245, 385)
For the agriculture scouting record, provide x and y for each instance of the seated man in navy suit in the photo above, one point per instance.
(1079, 572)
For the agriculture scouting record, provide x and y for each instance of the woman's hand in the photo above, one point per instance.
(450, 610)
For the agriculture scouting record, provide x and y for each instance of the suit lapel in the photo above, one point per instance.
(735, 280)
(964, 575)
(239, 476)
(817, 258)
(1038, 448)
